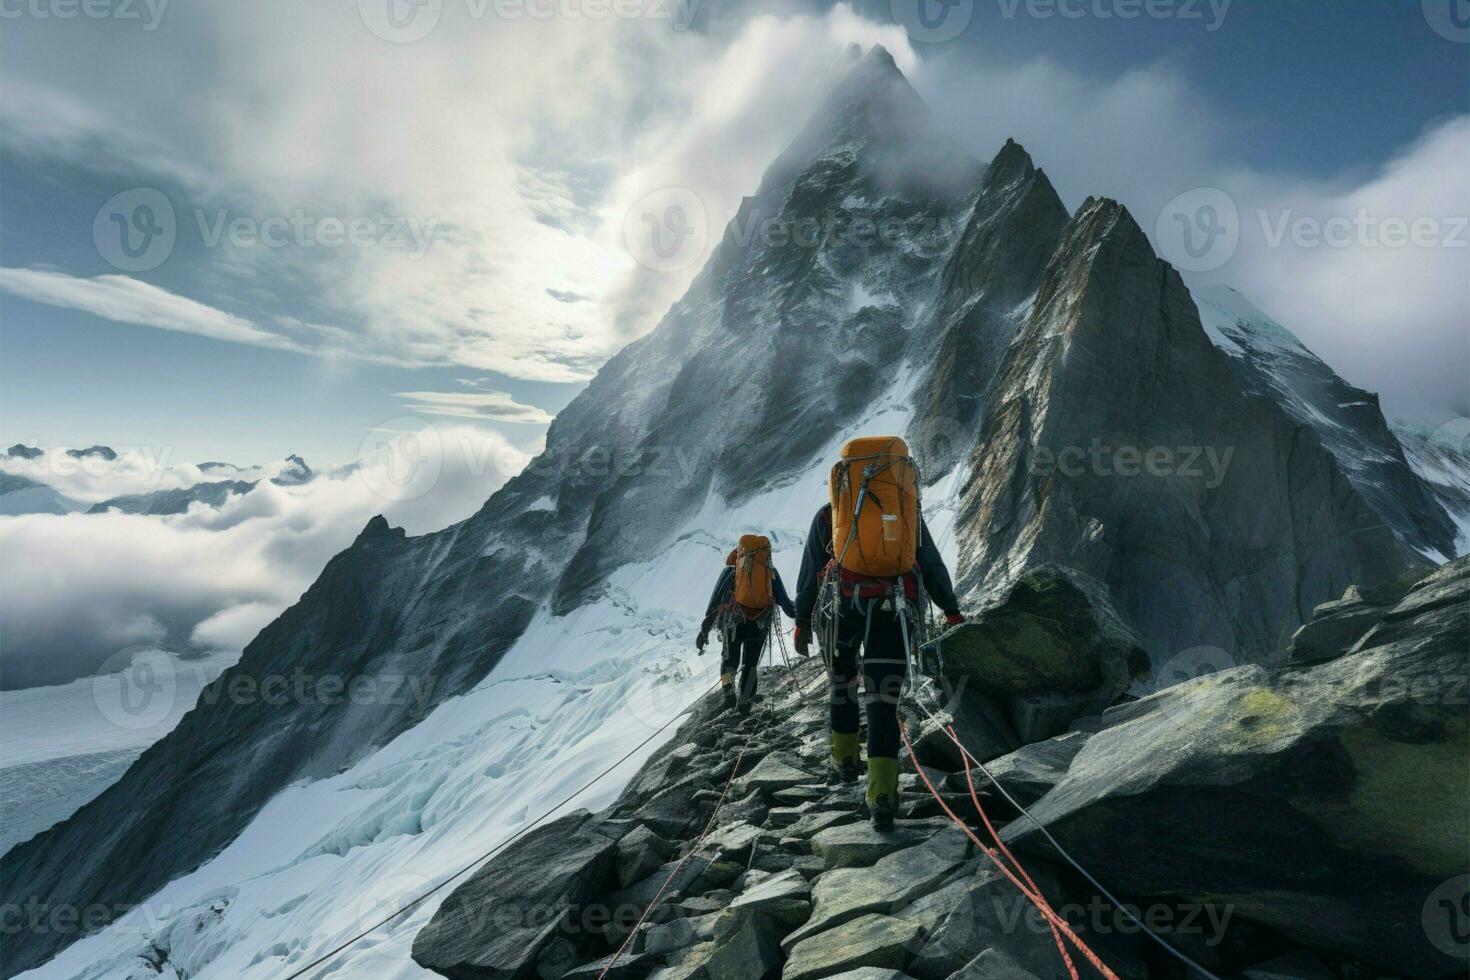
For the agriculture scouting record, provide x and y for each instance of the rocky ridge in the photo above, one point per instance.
(1241, 815)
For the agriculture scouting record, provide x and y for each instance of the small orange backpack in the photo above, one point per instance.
(753, 573)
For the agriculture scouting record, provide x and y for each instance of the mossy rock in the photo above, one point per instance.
(1055, 632)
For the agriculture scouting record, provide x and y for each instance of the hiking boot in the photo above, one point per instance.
(728, 694)
(844, 773)
(743, 707)
(882, 810)
(882, 791)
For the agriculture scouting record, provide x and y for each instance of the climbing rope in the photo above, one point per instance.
(415, 903)
(1066, 856)
(694, 848)
(1001, 845)
(1039, 902)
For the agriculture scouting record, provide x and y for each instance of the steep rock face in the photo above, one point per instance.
(1441, 458)
(1269, 361)
(1012, 230)
(1119, 443)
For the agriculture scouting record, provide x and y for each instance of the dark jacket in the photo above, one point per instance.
(818, 553)
(725, 591)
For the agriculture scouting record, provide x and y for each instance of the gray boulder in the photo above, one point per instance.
(496, 924)
(978, 720)
(872, 940)
(1335, 626)
(889, 885)
(1277, 793)
(769, 775)
(640, 853)
(1052, 649)
(858, 844)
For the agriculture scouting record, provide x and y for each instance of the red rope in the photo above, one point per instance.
(1042, 907)
(1035, 891)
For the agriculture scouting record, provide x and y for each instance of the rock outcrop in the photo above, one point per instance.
(1052, 650)
(1282, 793)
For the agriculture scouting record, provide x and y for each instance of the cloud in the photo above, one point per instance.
(76, 589)
(526, 143)
(124, 299)
(495, 406)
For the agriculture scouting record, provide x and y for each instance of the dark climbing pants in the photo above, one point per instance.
(882, 674)
(745, 641)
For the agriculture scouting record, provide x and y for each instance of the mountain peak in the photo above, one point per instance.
(1010, 163)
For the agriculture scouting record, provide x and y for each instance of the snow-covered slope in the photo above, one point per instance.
(1440, 455)
(517, 653)
(1270, 361)
(66, 743)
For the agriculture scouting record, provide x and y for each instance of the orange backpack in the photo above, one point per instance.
(875, 507)
(753, 573)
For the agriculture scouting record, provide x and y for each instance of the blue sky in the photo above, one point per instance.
(489, 167)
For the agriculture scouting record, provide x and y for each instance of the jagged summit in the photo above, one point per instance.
(874, 118)
(1011, 163)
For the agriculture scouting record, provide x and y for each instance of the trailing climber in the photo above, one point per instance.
(872, 583)
(745, 593)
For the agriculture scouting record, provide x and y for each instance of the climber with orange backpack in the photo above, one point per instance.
(748, 589)
(868, 568)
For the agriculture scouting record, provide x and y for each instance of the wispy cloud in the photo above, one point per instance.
(124, 299)
(493, 406)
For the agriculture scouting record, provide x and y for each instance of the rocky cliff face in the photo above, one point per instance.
(1239, 814)
(1119, 442)
(955, 302)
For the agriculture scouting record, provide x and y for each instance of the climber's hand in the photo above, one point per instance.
(803, 638)
(700, 642)
(953, 617)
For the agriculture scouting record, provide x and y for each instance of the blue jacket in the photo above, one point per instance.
(818, 553)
